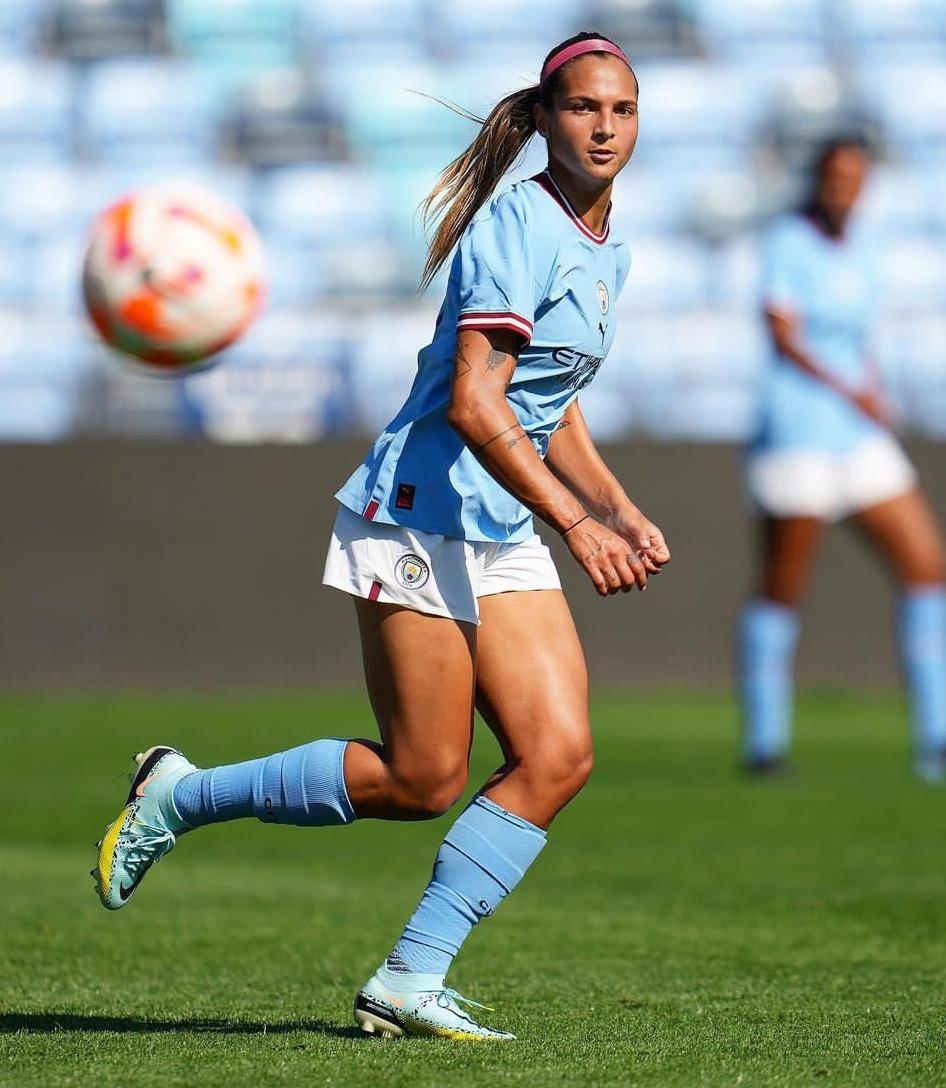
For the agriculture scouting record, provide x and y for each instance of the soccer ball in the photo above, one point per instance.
(172, 275)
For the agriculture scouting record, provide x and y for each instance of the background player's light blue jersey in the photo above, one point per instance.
(831, 287)
(526, 263)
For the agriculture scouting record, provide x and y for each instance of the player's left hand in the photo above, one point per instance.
(642, 535)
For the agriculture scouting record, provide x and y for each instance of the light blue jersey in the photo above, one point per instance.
(831, 287)
(527, 263)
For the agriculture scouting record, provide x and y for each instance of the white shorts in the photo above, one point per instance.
(430, 573)
(821, 484)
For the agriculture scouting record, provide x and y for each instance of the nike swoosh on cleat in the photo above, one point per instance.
(124, 892)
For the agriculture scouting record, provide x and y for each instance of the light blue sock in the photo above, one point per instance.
(483, 857)
(768, 634)
(304, 786)
(923, 648)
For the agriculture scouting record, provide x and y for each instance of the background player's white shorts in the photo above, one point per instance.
(428, 572)
(831, 486)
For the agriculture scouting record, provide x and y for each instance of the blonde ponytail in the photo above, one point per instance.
(466, 184)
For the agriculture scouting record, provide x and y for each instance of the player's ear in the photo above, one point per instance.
(541, 117)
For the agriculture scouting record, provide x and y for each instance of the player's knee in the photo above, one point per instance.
(429, 792)
(562, 765)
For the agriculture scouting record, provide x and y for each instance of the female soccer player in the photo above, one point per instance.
(825, 451)
(458, 601)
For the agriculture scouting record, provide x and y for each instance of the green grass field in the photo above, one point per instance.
(684, 927)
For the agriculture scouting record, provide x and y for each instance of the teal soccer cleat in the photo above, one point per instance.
(391, 1003)
(145, 830)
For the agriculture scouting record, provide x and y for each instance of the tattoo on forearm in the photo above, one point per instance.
(511, 441)
(496, 359)
(509, 436)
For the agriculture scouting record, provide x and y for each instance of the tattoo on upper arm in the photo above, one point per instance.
(462, 365)
(496, 359)
(564, 423)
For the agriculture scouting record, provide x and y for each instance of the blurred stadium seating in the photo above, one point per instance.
(307, 114)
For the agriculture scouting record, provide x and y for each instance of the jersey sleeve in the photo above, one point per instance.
(494, 265)
(783, 272)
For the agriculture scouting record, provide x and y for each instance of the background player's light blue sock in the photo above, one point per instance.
(483, 857)
(768, 634)
(923, 648)
(304, 786)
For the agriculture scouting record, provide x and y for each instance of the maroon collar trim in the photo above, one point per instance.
(547, 182)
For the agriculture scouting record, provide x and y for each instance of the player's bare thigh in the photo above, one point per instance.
(419, 671)
(532, 690)
(905, 531)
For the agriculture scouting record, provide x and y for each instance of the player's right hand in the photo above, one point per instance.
(606, 558)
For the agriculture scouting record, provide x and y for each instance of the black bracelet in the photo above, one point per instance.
(575, 526)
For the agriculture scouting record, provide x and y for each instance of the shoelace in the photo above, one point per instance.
(447, 995)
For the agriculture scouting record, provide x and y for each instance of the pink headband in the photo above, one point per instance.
(590, 45)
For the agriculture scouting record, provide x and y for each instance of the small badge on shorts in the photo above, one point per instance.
(411, 571)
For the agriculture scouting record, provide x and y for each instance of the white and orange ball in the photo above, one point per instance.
(172, 275)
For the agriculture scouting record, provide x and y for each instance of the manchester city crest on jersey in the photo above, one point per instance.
(411, 571)
(604, 298)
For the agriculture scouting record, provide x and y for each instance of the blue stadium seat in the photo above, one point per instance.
(99, 187)
(668, 272)
(648, 201)
(43, 361)
(390, 112)
(885, 23)
(899, 201)
(384, 362)
(908, 99)
(321, 204)
(914, 273)
(676, 103)
(631, 390)
(37, 202)
(283, 382)
(369, 270)
(147, 111)
(364, 24)
(235, 40)
(19, 24)
(92, 30)
(35, 105)
(477, 85)
(524, 31)
(282, 118)
(648, 28)
(736, 272)
(910, 349)
(730, 26)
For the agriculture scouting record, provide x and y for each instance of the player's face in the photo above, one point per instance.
(592, 129)
(842, 181)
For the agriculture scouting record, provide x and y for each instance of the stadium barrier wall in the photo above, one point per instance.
(193, 566)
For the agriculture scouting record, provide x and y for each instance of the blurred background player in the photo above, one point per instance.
(458, 600)
(825, 451)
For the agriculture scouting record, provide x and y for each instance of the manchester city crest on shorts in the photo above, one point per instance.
(411, 571)
(603, 298)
